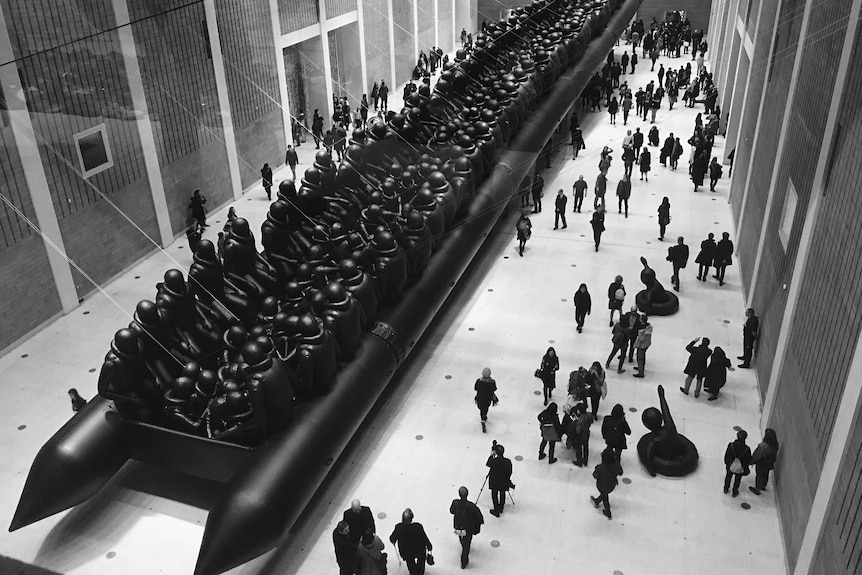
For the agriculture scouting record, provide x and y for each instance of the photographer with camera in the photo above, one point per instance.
(499, 477)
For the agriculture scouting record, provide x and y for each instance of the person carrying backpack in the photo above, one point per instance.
(737, 462)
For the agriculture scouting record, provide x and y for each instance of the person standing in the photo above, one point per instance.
(363, 110)
(634, 60)
(78, 402)
(628, 160)
(598, 224)
(644, 162)
(615, 428)
(737, 461)
(764, 458)
(663, 216)
(499, 477)
(328, 140)
(642, 343)
(715, 171)
(551, 431)
(624, 191)
(266, 180)
(560, 207)
(577, 142)
(627, 107)
(716, 373)
(619, 340)
(375, 95)
(606, 474)
(199, 212)
(705, 256)
(698, 168)
(624, 61)
(291, 159)
(613, 109)
(370, 555)
(675, 154)
(660, 74)
(360, 520)
(600, 188)
(583, 306)
(597, 388)
(383, 92)
(548, 372)
(631, 323)
(666, 149)
(538, 186)
(637, 142)
(317, 129)
(580, 191)
(579, 434)
(616, 296)
(723, 257)
(467, 520)
(678, 257)
(749, 336)
(486, 395)
(697, 363)
(524, 230)
(412, 543)
(345, 550)
(340, 143)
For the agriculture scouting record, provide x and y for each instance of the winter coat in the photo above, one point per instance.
(707, 252)
(614, 431)
(723, 253)
(697, 359)
(606, 475)
(485, 388)
(583, 301)
(738, 449)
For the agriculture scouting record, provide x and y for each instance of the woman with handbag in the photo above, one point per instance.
(372, 559)
(548, 373)
(737, 459)
(764, 458)
(551, 430)
(598, 389)
(614, 431)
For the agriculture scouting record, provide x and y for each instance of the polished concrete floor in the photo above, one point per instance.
(425, 439)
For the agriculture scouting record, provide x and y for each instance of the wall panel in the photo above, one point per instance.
(338, 7)
(297, 14)
(377, 49)
(402, 20)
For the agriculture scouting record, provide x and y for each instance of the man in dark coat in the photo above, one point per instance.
(467, 520)
(345, 550)
(678, 257)
(723, 254)
(696, 366)
(499, 478)
(749, 336)
(705, 256)
(580, 190)
(360, 519)
(631, 322)
(412, 543)
(624, 191)
(560, 209)
(538, 186)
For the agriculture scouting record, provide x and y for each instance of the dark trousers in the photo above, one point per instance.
(719, 272)
(641, 357)
(595, 399)
(597, 237)
(537, 202)
(631, 346)
(747, 350)
(559, 216)
(483, 411)
(415, 565)
(579, 201)
(712, 182)
(623, 202)
(498, 499)
(346, 569)
(580, 316)
(551, 445)
(661, 229)
(761, 476)
(675, 278)
(582, 449)
(737, 477)
(702, 271)
(465, 547)
(625, 116)
(603, 497)
(622, 351)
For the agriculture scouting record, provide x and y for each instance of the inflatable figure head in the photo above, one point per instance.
(240, 228)
(652, 419)
(147, 314)
(126, 344)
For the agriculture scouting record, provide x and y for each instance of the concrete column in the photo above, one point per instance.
(415, 31)
(363, 59)
(454, 27)
(746, 185)
(391, 19)
(812, 210)
(223, 97)
(782, 141)
(145, 129)
(280, 72)
(327, 62)
(34, 174)
(436, 23)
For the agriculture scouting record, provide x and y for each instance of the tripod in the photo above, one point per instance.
(484, 483)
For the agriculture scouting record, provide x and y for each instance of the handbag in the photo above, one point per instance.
(381, 563)
(549, 432)
(736, 466)
(538, 374)
(429, 559)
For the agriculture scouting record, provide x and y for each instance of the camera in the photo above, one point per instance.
(495, 449)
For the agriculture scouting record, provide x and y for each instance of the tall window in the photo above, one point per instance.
(94, 153)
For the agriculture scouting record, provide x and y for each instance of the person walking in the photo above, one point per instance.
(600, 189)
(663, 216)
(578, 434)
(624, 191)
(627, 107)
(764, 458)
(637, 142)
(631, 323)
(317, 129)
(737, 461)
(628, 160)
(383, 92)
(583, 306)
(199, 212)
(486, 395)
(467, 520)
(370, 555)
(577, 142)
(616, 296)
(580, 191)
(660, 74)
(363, 110)
(606, 474)
(413, 543)
(597, 388)
(698, 168)
(291, 159)
(360, 519)
(715, 171)
(499, 477)
(716, 373)
(633, 61)
(615, 428)
(598, 224)
(749, 336)
(705, 256)
(560, 208)
(266, 180)
(619, 340)
(538, 186)
(524, 230)
(345, 550)
(678, 257)
(548, 373)
(642, 343)
(666, 149)
(653, 136)
(723, 257)
(551, 431)
(697, 363)
(644, 162)
(613, 109)
(675, 154)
